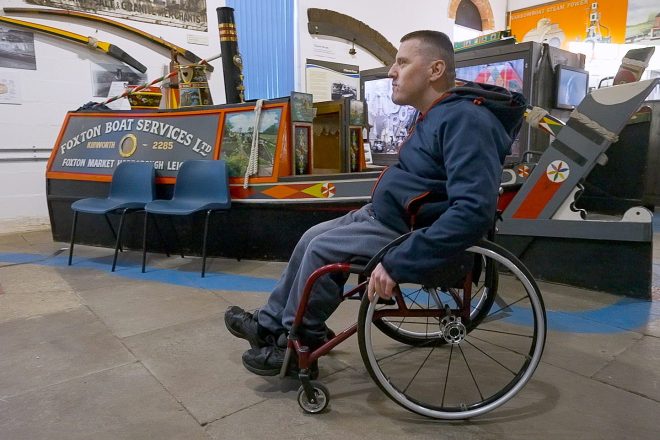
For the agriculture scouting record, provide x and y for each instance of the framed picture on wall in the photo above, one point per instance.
(237, 140)
(356, 112)
(302, 151)
(302, 107)
(189, 97)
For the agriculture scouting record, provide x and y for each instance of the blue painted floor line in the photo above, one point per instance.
(627, 314)
(213, 280)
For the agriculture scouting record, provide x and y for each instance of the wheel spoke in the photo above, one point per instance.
(444, 390)
(418, 370)
(508, 306)
(490, 357)
(474, 379)
(413, 301)
(477, 293)
(396, 353)
(502, 332)
(525, 355)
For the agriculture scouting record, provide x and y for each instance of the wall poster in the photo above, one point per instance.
(643, 23)
(561, 22)
(189, 14)
(10, 92)
(103, 75)
(17, 49)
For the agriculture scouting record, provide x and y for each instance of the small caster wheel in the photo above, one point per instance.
(321, 394)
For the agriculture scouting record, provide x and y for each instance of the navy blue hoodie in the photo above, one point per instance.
(447, 178)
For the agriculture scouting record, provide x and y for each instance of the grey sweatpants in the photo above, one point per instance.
(357, 233)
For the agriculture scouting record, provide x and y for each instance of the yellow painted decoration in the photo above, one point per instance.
(315, 190)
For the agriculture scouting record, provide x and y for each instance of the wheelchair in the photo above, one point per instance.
(455, 347)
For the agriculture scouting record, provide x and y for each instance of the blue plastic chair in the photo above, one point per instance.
(201, 185)
(132, 187)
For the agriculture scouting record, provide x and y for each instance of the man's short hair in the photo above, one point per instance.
(443, 46)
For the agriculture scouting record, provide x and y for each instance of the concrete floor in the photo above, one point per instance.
(88, 354)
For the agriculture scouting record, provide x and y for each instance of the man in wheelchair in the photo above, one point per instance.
(446, 180)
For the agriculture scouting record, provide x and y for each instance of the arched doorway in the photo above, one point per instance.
(471, 18)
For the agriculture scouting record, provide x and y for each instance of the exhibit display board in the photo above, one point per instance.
(92, 144)
(95, 145)
(327, 81)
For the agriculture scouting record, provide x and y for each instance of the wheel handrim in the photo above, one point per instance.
(525, 365)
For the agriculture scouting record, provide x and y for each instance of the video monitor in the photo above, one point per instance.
(571, 86)
(388, 122)
(508, 74)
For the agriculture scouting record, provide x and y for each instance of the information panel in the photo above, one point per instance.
(95, 145)
(327, 81)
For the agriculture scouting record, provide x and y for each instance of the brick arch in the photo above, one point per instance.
(483, 6)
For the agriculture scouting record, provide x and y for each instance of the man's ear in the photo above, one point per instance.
(437, 69)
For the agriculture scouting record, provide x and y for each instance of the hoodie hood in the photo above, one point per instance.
(508, 107)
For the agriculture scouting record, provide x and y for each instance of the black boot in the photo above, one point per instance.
(244, 325)
(268, 360)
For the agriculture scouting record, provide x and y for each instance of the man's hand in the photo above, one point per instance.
(380, 283)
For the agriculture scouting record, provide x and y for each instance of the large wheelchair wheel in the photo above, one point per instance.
(466, 359)
(482, 287)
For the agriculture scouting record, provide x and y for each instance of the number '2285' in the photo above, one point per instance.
(162, 145)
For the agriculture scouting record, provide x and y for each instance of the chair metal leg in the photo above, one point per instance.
(118, 242)
(144, 240)
(73, 235)
(206, 231)
(112, 228)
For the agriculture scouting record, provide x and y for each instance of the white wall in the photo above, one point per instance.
(514, 5)
(499, 8)
(62, 81)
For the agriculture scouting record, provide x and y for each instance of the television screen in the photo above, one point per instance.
(389, 122)
(508, 74)
(571, 86)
